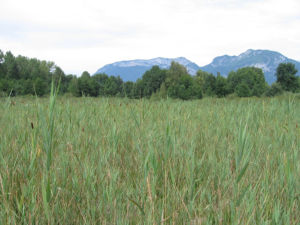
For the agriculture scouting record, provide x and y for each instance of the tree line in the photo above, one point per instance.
(29, 76)
(25, 76)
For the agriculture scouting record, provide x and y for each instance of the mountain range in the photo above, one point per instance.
(267, 60)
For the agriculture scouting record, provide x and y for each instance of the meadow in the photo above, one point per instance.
(67, 160)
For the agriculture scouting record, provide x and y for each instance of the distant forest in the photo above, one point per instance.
(29, 76)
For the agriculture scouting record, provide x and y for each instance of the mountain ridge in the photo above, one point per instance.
(131, 70)
(267, 60)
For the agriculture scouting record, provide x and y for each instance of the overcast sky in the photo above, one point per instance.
(83, 35)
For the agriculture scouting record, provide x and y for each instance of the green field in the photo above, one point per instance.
(121, 161)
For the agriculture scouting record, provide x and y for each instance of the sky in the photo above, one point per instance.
(84, 35)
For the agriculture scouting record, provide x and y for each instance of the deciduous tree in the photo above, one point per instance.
(286, 76)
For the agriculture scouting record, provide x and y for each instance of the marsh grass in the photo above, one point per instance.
(121, 161)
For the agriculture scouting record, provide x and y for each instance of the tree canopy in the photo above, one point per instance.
(286, 77)
(251, 78)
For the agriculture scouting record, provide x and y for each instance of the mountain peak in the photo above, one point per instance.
(267, 60)
(249, 52)
(131, 70)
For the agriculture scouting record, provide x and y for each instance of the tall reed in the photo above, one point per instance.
(121, 161)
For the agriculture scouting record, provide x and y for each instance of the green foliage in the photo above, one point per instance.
(152, 80)
(73, 87)
(185, 88)
(221, 89)
(128, 89)
(85, 75)
(101, 79)
(251, 77)
(40, 87)
(12, 70)
(2, 68)
(87, 86)
(274, 90)
(59, 77)
(106, 85)
(137, 91)
(200, 77)
(162, 94)
(286, 76)
(23, 76)
(173, 75)
(243, 90)
(113, 86)
(179, 84)
(207, 83)
(5, 86)
(209, 87)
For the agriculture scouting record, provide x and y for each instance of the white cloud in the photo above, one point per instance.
(86, 34)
